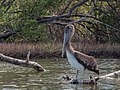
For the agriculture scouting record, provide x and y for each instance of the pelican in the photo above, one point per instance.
(78, 60)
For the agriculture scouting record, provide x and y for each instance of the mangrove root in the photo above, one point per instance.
(23, 63)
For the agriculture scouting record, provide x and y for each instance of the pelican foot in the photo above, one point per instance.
(85, 81)
(75, 81)
(92, 80)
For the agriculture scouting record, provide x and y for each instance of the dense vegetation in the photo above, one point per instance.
(22, 16)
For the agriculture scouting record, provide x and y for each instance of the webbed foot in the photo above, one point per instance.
(74, 81)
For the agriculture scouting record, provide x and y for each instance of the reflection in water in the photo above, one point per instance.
(21, 78)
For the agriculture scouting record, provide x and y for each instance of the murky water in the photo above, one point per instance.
(19, 78)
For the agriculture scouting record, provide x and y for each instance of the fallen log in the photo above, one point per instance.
(23, 63)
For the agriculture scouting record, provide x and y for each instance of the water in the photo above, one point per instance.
(19, 78)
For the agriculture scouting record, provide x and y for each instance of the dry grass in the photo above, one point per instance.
(20, 50)
(42, 50)
(106, 50)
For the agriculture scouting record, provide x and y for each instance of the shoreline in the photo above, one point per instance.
(49, 50)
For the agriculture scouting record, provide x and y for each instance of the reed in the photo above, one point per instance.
(51, 50)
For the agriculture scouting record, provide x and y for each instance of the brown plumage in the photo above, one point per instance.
(88, 62)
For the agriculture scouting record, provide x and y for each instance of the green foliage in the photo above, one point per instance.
(22, 16)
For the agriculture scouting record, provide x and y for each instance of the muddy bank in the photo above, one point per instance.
(42, 50)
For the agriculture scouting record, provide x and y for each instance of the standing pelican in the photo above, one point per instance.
(77, 59)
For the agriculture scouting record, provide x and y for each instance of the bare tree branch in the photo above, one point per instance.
(113, 8)
(68, 4)
(53, 18)
(77, 5)
(10, 4)
(3, 2)
(6, 34)
(101, 11)
(90, 18)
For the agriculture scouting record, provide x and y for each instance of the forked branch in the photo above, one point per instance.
(23, 63)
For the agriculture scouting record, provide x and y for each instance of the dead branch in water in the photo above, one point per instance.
(92, 80)
(112, 75)
(23, 63)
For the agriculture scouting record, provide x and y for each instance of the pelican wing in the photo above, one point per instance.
(88, 62)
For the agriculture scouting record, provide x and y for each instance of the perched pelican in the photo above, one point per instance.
(78, 60)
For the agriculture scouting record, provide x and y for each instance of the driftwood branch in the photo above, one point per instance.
(112, 75)
(23, 63)
(92, 80)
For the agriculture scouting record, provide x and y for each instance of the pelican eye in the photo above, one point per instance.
(68, 27)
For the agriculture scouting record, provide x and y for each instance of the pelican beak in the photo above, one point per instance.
(64, 44)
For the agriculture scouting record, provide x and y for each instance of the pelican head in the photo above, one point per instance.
(68, 33)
